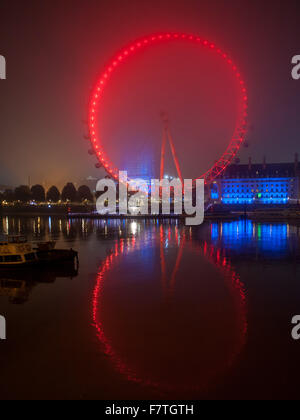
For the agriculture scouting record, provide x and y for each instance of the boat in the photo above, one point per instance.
(56, 256)
(17, 252)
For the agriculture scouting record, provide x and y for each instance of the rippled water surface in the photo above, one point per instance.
(156, 310)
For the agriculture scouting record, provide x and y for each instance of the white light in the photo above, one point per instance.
(133, 228)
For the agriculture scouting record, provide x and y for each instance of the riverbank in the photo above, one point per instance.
(88, 211)
(46, 209)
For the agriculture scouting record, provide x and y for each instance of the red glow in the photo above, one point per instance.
(239, 133)
(213, 255)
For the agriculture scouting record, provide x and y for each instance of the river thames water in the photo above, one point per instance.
(157, 310)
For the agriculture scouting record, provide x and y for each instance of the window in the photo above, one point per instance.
(12, 258)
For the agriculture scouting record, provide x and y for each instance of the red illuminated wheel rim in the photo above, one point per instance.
(238, 136)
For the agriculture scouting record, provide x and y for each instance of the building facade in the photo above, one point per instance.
(264, 184)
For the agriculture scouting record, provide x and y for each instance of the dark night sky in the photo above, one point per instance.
(55, 50)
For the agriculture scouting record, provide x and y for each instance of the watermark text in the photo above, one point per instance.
(296, 329)
(2, 68)
(2, 328)
(296, 67)
(141, 197)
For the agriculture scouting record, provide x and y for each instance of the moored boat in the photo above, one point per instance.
(17, 252)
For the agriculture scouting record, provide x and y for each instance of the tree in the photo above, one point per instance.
(53, 194)
(9, 196)
(38, 193)
(69, 193)
(23, 194)
(84, 193)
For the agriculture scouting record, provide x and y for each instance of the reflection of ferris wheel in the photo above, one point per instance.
(168, 282)
(98, 146)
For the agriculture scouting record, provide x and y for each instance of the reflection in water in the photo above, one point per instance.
(186, 348)
(260, 240)
(17, 291)
(39, 228)
(180, 310)
(239, 236)
(17, 285)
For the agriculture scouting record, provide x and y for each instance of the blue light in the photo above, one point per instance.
(256, 191)
(214, 231)
(250, 238)
(214, 193)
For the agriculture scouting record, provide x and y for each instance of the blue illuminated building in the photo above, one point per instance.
(259, 190)
(259, 184)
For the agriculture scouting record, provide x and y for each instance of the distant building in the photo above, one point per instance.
(275, 183)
